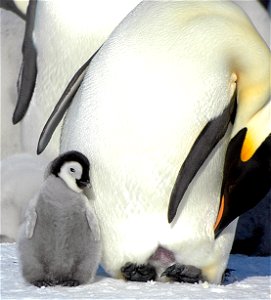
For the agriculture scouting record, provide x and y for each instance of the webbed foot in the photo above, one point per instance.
(134, 272)
(43, 282)
(228, 276)
(183, 273)
(70, 282)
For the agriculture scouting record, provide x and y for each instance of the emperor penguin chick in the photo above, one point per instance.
(59, 239)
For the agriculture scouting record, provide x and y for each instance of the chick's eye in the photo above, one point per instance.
(72, 170)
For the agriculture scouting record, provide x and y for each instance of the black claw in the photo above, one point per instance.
(40, 283)
(134, 272)
(183, 273)
(70, 282)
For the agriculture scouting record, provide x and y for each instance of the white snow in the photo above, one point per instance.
(249, 279)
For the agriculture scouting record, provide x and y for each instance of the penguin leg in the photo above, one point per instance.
(134, 272)
(183, 273)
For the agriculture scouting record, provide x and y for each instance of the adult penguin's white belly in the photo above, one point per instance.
(163, 74)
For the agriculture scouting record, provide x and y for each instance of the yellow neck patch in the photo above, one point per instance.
(249, 147)
(258, 128)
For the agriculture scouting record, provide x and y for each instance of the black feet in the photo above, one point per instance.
(183, 273)
(228, 276)
(177, 272)
(70, 282)
(134, 272)
(46, 283)
(40, 283)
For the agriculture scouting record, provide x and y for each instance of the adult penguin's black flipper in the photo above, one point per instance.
(211, 134)
(247, 170)
(28, 73)
(11, 6)
(62, 106)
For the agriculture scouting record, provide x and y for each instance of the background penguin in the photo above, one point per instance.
(60, 37)
(139, 171)
(21, 178)
(12, 31)
(59, 240)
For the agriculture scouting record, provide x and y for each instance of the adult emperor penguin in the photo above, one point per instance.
(59, 239)
(160, 95)
(12, 31)
(60, 36)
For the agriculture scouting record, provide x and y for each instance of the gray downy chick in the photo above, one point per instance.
(59, 240)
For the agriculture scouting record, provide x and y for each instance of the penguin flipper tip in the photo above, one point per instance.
(50, 126)
(170, 216)
(17, 116)
(41, 144)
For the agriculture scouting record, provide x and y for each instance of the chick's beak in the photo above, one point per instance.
(83, 183)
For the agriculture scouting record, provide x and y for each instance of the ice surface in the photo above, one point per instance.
(249, 279)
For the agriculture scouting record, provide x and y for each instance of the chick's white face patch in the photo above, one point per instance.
(70, 172)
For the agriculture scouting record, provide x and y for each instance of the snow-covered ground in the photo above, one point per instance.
(249, 279)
